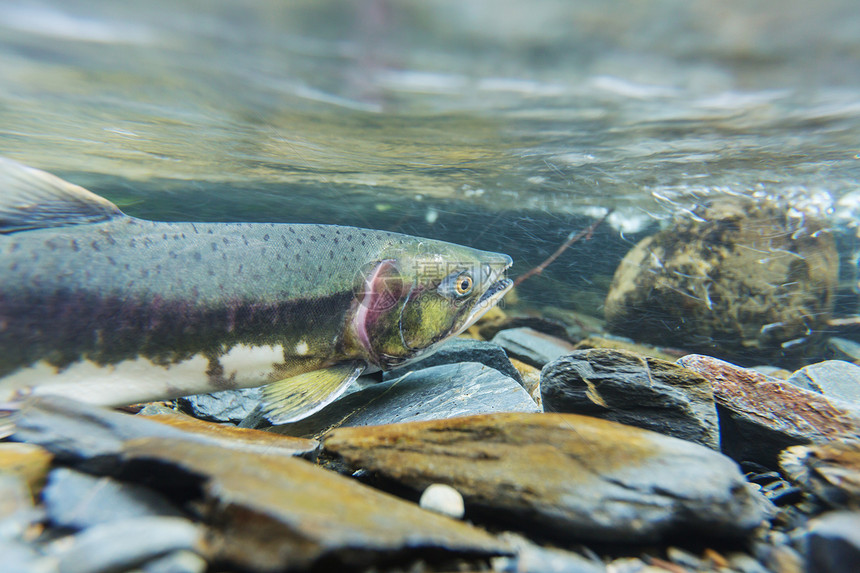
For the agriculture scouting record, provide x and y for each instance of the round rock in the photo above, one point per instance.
(443, 499)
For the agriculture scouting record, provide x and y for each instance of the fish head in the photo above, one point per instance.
(412, 300)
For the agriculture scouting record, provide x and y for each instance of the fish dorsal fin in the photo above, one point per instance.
(295, 398)
(34, 199)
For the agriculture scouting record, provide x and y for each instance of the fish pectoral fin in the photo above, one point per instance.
(34, 199)
(300, 396)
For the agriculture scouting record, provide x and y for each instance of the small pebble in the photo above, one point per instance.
(443, 499)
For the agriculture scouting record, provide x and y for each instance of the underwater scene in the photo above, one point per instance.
(401, 286)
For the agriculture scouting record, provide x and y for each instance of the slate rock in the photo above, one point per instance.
(20, 557)
(562, 476)
(74, 431)
(635, 390)
(833, 543)
(77, 500)
(531, 346)
(844, 348)
(619, 343)
(274, 513)
(532, 558)
(434, 393)
(760, 416)
(829, 471)
(231, 436)
(531, 380)
(832, 378)
(489, 329)
(121, 545)
(17, 511)
(463, 350)
(28, 462)
(182, 561)
(231, 406)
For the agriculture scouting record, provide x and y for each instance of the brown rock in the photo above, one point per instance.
(744, 280)
(274, 513)
(531, 379)
(232, 435)
(615, 344)
(562, 476)
(28, 462)
(830, 471)
(760, 415)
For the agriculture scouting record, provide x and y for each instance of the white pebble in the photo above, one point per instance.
(443, 499)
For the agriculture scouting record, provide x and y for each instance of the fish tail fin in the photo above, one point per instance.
(300, 396)
(34, 199)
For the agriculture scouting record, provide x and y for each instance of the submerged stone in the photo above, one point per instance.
(122, 545)
(273, 513)
(635, 390)
(28, 462)
(461, 350)
(829, 471)
(759, 415)
(231, 406)
(73, 431)
(434, 393)
(833, 543)
(741, 279)
(562, 476)
(77, 501)
(532, 347)
(832, 378)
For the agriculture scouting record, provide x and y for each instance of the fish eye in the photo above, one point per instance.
(464, 284)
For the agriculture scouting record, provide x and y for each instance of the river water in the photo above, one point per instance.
(498, 123)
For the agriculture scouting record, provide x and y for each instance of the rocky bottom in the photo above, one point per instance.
(527, 453)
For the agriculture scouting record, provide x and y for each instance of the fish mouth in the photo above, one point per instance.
(488, 300)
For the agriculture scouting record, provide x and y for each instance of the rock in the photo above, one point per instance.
(555, 328)
(77, 501)
(231, 436)
(531, 346)
(844, 348)
(231, 406)
(442, 499)
(562, 476)
(833, 543)
(635, 390)
(741, 279)
(530, 380)
(28, 462)
(760, 416)
(273, 513)
(433, 393)
(19, 557)
(616, 343)
(73, 431)
(532, 558)
(176, 562)
(829, 471)
(17, 512)
(121, 545)
(462, 350)
(832, 378)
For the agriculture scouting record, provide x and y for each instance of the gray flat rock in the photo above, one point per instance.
(78, 501)
(633, 389)
(231, 406)
(833, 543)
(434, 393)
(121, 545)
(463, 350)
(832, 378)
(531, 346)
(74, 431)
